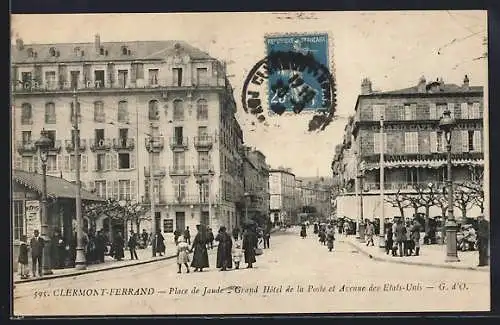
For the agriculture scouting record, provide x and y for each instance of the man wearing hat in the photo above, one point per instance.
(483, 234)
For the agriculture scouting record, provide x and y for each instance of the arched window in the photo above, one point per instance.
(99, 115)
(178, 110)
(78, 112)
(50, 113)
(123, 111)
(154, 111)
(202, 109)
(26, 114)
(52, 51)
(124, 50)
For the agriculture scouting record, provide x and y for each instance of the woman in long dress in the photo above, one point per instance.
(224, 260)
(200, 256)
(249, 246)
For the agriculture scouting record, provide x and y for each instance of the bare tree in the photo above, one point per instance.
(399, 201)
(427, 196)
(463, 198)
(475, 186)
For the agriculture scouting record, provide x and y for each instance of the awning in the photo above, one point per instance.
(56, 187)
(434, 163)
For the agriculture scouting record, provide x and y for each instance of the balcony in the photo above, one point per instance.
(56, 146)
(155, 144)
(204, 142)
(178, 143)
(202, 169)
(100, 144)
(70, 146)
(186, 200)
(179, 171)
(27, 147)
(159, 199)
(401, 186)
(123, 144)
(158, 171)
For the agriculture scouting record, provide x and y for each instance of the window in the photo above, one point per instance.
(100, 189)
(52, 163)
(153, 77)
(451, 108)
(378, 112)
(157, 189)
(474, 111)
(433, 111)
(202, 132)
(376, 142)
(440, 110)
(411, 142)
(202, 76)
(123, 135)
(51, 134)
(204, 192)
(26, 114)
(410, 112)
(70, 163)
(78, 112)
(77, 51)
(178, 135)
(203, 160)
(123, 111)
(123, 160)
(179, 160)
(75, 79)
(202, 110)
(100, 162)
(154, 111)
(50, 113)
(26, 136)
(178, 110)
(179, 187)
(18, 215)
(50, 79)
(124, 190)
(436, 141)
(138, 69)
(99, 136)
(99, 78)
(99, 114)
(177, 74)
(464, 111)
(26, 79)
(29, 163)
(122, 78)
(471, 140)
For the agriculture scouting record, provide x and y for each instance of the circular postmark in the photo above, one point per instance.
(290, 81)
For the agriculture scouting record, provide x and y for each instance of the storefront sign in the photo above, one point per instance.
(32, 213)
(168, 225)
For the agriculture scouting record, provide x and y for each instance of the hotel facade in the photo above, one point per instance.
(160, 110)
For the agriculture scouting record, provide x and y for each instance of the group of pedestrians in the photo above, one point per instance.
(403, 238)
(325, 232)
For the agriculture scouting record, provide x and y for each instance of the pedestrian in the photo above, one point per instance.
(210, 238)
(330, 237)
(322, 235)
(409, 242)
(23, 258)
(132, 245)
(388, 239)
(415, 237)
(187, 236)
(236, 233)
(144, 238)
(483, 235)
(249, 246)
(177, 234)
(36, 245)
(370, 231)
(237, 254)
(199, 247)
(401, 237)
(158, 243)
(224, 258)
(267, 236)
(118, 245)
(303, 231)
(182, 254)
(58, 250)
(346, 228)
(100, 246)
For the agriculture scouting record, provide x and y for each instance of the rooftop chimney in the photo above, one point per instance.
(466, 83)
(19, 44)
(422, 85)
(366, 87)
(97, 43)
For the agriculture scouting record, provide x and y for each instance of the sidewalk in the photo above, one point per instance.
(430, 255)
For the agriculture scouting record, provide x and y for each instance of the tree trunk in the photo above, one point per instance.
(401, 211)
(138, 225)
(443, 211)
(464, 211)
(426, 220)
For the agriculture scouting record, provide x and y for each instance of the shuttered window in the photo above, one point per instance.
(433, 111)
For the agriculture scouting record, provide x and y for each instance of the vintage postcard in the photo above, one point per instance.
(249, 163)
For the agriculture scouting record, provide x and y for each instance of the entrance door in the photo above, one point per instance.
(205, 220)
(157, 220)
(180, 221)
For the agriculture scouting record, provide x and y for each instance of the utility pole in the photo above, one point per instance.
(80, 263)
(382, 184)
(151, 194)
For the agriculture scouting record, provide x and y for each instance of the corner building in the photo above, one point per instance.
(161, 103)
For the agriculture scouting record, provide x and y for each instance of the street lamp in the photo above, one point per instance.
(200, 181)
(360, 177)
(211, 174)
(246, 195)
(44, 144)
(446, 124)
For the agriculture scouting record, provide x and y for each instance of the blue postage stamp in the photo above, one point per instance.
(298, 73)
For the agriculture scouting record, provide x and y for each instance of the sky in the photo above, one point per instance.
(393, 49)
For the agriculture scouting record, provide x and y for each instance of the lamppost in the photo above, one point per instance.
(211, 174)
(246, 195)
(360, 177)
(446, 124)
(44, 144)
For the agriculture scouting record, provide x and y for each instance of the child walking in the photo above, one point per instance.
(23, 258)
(182, 254)
(237, 254)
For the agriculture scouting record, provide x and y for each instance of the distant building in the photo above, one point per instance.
(281, 194)
(414, 147)
(255, 198)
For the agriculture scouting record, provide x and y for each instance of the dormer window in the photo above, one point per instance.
(30, 52)
(77, 51)
(125, 50)
(101, 51)
(52, 51)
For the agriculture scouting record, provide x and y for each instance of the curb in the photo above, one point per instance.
(388, 260)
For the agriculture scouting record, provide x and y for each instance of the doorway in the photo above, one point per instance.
(180, 221)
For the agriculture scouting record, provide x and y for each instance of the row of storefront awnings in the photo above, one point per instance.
(428, 163)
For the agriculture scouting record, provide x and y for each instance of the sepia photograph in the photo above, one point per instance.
(232, 163)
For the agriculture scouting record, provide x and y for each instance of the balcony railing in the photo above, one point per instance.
(56, 146)
(179, 171)
(123, 143)
(158, 199)
(158, 171)
(202, 169)
(103, 85)
(155, 144)
(203, 142)
(179, 143)
(26, 147)
(100, 144)
(403, 186)
(187, 200)
(70, 146)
